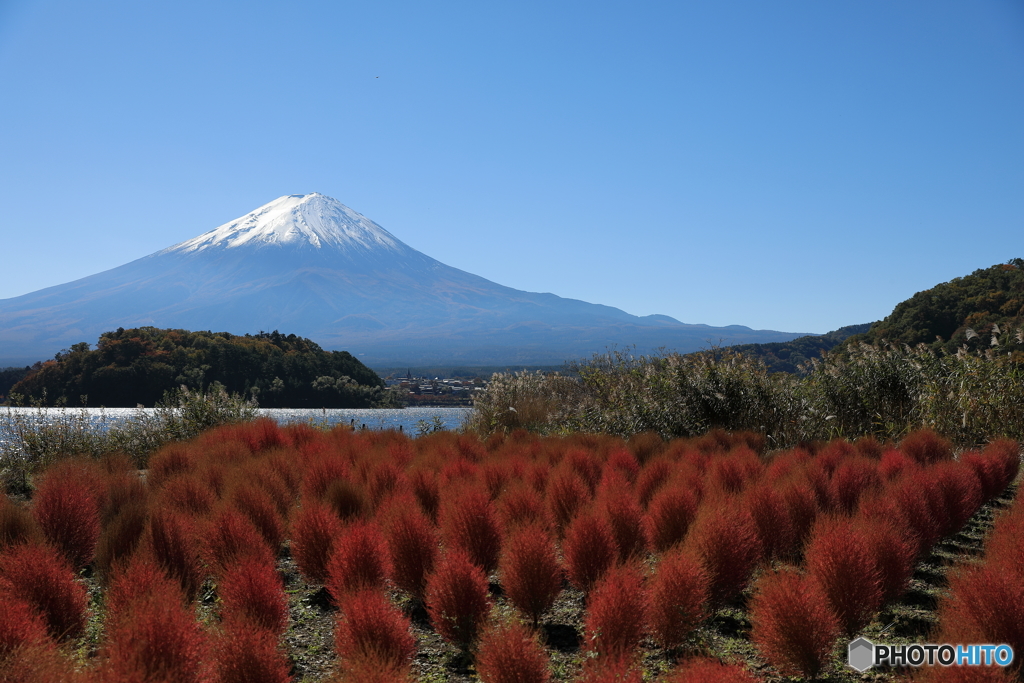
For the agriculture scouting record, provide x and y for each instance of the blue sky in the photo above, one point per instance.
(787, 165)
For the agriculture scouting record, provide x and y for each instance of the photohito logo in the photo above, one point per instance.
(862, 654)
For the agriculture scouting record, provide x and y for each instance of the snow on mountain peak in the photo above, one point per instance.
(296, 220)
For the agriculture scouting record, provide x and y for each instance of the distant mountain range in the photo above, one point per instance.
(309, 265)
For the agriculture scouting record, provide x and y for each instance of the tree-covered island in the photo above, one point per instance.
(137, 366)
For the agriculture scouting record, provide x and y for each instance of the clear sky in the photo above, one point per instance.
(791, 165)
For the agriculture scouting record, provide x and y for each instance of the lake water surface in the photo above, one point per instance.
(371, 418)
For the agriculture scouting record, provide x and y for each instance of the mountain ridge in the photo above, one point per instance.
(310, 265)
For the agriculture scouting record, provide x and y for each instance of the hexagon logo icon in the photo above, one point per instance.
(861, 654)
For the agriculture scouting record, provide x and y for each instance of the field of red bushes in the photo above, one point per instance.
(265, 553)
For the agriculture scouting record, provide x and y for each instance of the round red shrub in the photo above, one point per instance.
(703, 670)
(151, 634)
(589, 549)
(370, 629)
(252, 592)
(359, 561)
(314, 528)
(792, 625)
(231, 537)
(247, 655)
(467, 521)
(412, 545)
(566, 493)
(121, 537)
(530, 573)
(615, 617)
(839, 559)
(174, 542)
(40, 576)
(457, 598)
(624, 514)
(770, 513)
(926, 447)
(188, 494)
(174, 458)
(256, 504)
(16, 524)
(67, 510)
(21, 624)
(510, 653)
(520, 505)
(893, 554)
(677, 598)
(724, 539)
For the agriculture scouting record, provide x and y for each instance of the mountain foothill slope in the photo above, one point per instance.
(309, 265)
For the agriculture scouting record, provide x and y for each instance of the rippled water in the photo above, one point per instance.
(370, 418)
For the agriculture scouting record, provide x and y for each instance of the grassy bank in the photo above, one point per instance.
(881, 391)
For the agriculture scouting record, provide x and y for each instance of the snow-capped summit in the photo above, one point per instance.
(296, 220)
(309, 265)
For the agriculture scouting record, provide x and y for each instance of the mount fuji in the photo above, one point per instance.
(309, 265)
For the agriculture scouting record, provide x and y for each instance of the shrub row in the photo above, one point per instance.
(654, 535)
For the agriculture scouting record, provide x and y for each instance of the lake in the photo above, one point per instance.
(370, 418)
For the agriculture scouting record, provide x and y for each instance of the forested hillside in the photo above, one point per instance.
(982, 310)
(791, 356)
(985, 308)
(134, 366)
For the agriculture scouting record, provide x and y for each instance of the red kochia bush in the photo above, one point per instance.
(670, 514)
(457, 598)
(614, 622)
(256, 504)
(370, 629)
(770, 513)
(39, 575)
(530, 572)
(467, 521)
(176, 548)
(427, 491)
(359, 561)
(412, 544)
(168, 461)
(703, 670)
(620, 669)
(623, 511)
(520, 505)
(187, 493)
(985, 604)
(21, 624)
(314, 528)
(252, 593)
(926, 447)
(852, 478)
(651, 478)
(677, 598)
(121, 537)
(792, 625)
(589, 549)
(16, 524)
(961, 492)
(247, 655)
(566, 493)
(67, 510)
(151, 635)
(510, 653)
(231, 537)
(996, 466)
(893, 554)
(724, 539)
(839, 559)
